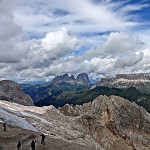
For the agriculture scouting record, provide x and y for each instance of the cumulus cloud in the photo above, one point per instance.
(129, 60)
(58, 43)
(51, 56)
(11, 47)
(53, 46)
(121, 43)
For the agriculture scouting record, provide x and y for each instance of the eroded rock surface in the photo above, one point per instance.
(107, 123)
(140, 81)
(111, 120)
(10, 91)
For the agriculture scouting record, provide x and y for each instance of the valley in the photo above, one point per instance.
(61, 93)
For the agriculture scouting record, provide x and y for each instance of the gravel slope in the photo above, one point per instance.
(9, 139)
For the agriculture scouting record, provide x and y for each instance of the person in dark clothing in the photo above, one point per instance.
(42, 140)
(33, 144)
(19, 145)
(4, 125)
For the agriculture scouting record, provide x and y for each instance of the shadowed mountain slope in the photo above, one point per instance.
(11, 91)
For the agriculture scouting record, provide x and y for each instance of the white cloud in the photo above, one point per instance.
(11, 46)
(121, 43)
(47, 57)
(58, 43)
(53, 46)
(129, 60)
(82, 16)
(134, 7)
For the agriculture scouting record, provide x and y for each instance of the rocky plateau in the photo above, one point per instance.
(141, 81)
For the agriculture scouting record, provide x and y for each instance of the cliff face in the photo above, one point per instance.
(82, 79)
(140, 81)
(140, 76)
(10, 91)
(113, 122)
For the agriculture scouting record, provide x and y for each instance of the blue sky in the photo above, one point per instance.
(40, 39)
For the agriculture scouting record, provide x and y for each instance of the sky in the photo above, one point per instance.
(42, 39)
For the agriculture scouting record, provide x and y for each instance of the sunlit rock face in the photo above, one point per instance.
(110, 120)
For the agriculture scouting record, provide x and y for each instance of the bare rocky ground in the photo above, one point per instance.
(107, 123)
(9, 139)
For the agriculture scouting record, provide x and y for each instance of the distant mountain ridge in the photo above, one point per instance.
(140, 81)
(138, 76)
(82, 79)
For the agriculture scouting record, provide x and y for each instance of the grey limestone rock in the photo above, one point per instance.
(10, 91)
(113, 120)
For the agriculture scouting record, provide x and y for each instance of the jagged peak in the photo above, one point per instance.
(72, 77)
(82, 79)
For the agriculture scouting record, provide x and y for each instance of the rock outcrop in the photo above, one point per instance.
(113, 122)
(82, 79)
(10, 91)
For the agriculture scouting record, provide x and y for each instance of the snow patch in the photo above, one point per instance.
(15, 120)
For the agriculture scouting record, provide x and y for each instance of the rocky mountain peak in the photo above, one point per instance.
(72, 77)
(112, 119)
(10, 91)
(66, 77)
(82, 79)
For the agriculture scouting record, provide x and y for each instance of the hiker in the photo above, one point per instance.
(4, 125)
(33, 144)
(19, 145)
(42, 140)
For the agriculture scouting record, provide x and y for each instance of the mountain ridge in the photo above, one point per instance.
(141, 81)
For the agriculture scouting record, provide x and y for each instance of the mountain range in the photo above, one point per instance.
(60, 93)
(57, 86)
(83, 118)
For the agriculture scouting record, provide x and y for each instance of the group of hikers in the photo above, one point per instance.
(33, 143)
